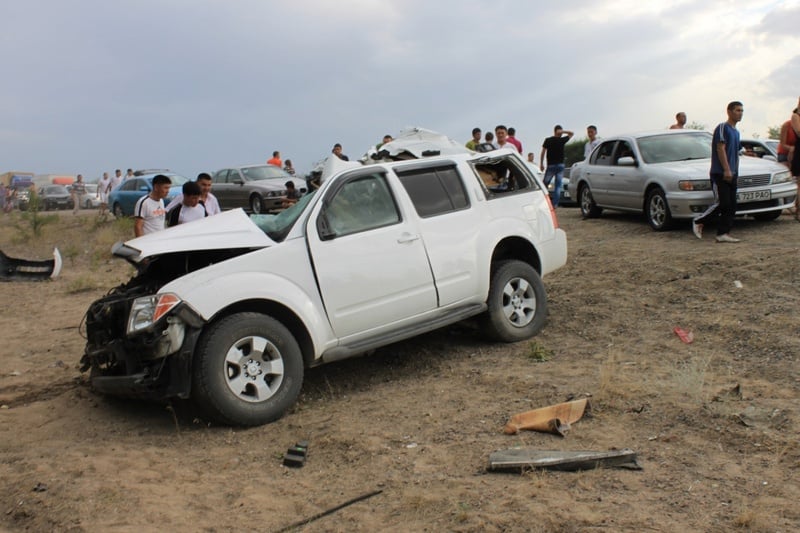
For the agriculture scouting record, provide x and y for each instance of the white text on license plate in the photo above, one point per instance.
(753, 196)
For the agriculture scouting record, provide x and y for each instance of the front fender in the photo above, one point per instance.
(213, 294)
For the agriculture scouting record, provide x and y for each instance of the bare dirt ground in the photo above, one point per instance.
(418, 420)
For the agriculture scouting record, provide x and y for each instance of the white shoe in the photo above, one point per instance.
(726, 237)
(697, 229)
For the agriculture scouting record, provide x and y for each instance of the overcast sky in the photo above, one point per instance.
(89, 86)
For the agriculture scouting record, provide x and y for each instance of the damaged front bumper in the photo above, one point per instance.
(149, 362)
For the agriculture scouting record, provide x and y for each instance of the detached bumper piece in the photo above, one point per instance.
(13, 269)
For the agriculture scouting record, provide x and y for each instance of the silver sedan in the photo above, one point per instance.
(665, 176)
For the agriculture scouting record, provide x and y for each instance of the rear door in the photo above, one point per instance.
(599, 172)
(447, 225)
(368, 256)
(223, 190)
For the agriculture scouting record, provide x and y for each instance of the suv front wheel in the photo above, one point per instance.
(248, 370)
(517, 302)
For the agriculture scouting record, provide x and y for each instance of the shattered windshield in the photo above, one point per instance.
(277, 227)
(675, 147)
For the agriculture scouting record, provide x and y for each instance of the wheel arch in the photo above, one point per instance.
(516, 248)
(279, 312)
(650, 188)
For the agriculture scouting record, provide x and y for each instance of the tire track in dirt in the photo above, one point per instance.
(27, 393)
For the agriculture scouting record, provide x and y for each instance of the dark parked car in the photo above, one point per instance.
(123, 199)
(54, 197)
(258, 188)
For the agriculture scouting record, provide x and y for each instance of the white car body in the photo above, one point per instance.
(381, 252)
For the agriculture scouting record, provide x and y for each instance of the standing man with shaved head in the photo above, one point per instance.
(680, 121)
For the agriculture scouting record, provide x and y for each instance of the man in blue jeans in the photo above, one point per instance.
(553, 149)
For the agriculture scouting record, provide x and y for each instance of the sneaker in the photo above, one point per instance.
(726, 237)
(697, 229)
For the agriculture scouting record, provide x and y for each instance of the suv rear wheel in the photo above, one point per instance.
(248, 370)
(517, 302)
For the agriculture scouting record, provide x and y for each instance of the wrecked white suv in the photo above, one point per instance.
(229, 310)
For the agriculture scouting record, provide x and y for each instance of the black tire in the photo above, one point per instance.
(517, 303)
(768, 216)
(589, 209)
(248, 370)
(656, 209)
(256, 204)
(118, 210)
(44, 206)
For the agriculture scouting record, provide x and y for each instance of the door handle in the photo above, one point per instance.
(407, 237)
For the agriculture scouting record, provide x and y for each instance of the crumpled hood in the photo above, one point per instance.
(228, 230)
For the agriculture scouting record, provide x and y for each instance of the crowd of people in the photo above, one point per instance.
(196, 201)
(723, 173)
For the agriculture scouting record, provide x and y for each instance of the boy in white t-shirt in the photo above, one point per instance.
(190, 207)
(149, 213)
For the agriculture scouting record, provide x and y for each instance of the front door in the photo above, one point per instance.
(368, 256)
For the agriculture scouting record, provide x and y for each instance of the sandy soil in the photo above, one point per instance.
(418, 420)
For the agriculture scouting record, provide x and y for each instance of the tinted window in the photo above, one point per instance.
(623, 150)
(129, 185)
(220, 176)
(602, 155)
(360, 204)
(434, 191)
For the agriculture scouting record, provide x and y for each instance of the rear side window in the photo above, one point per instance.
(434, 191)
(501, 176)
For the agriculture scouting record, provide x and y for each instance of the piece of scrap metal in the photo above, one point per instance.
(555, 419)
(14, 269)
(525, 458)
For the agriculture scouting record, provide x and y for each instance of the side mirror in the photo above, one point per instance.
(237, 181)
(626, 161)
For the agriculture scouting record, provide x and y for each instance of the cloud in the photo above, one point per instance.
(98, 85)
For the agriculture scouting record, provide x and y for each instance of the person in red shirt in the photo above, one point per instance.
(276, 159)
(513, 139)
(787, 143)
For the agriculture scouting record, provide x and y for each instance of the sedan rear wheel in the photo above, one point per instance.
(589, 209)
(118, 210)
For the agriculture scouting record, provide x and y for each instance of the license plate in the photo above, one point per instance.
(753, 196)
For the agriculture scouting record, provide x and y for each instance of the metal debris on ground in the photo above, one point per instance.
(523, 458)
(554, 419)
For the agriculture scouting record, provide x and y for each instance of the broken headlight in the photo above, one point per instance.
(147, 310)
